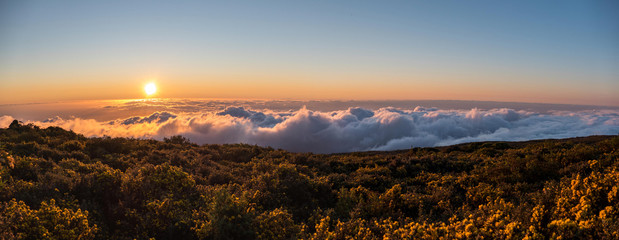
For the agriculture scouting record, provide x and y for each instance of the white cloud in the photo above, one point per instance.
(354, 129)
(6, 120)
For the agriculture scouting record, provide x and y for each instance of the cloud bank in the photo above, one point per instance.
(354, 129)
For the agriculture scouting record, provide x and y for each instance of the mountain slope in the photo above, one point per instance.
(55, 183)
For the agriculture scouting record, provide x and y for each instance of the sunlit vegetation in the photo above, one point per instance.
(55, 184)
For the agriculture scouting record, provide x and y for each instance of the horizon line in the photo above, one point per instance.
(302, 100)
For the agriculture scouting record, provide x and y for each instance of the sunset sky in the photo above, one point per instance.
(523, 51)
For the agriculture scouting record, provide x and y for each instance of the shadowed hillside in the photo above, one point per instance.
(58, 184)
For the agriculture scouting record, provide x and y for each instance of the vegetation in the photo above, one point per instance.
(55, 184)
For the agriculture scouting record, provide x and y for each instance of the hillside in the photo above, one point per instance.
(61, 185)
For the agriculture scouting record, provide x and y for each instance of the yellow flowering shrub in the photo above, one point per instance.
(18, 221)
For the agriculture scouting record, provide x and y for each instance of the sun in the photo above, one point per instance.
(150, 89)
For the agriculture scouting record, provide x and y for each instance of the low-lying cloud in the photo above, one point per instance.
(354, 129)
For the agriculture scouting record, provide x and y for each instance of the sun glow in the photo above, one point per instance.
(150, 89)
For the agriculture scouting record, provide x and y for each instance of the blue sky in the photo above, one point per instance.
(530, 51)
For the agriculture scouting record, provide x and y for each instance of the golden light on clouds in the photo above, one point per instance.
(150, 89)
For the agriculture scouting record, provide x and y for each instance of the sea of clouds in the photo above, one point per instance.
(353, 129)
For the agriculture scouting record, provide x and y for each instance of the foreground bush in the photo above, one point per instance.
(56, 184)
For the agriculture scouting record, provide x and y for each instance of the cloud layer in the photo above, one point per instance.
(354, 129)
